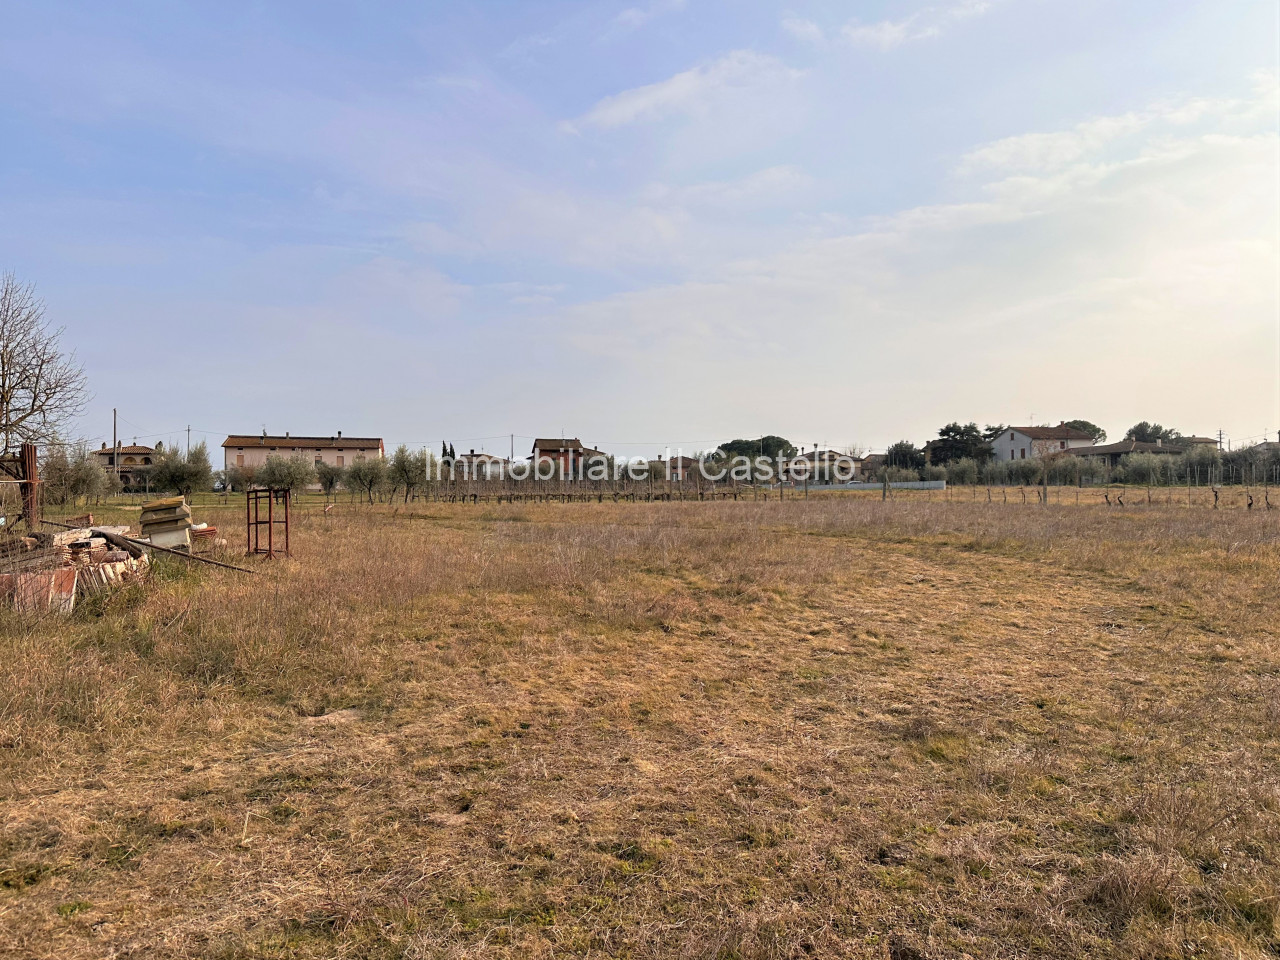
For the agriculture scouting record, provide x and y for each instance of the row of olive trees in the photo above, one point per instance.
(405, 473)
(1201, 465)
(1197, 465)
(71, 474)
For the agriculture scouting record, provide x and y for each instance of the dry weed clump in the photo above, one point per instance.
(833, 727)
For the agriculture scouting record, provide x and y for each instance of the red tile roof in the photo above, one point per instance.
(1124, 446)
(324, 443)
(1060, 432)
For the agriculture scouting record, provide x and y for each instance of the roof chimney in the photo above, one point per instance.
(339, 434)
(286, 434)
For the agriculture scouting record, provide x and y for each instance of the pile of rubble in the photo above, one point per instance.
(48, 571)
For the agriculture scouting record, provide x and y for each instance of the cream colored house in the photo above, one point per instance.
(246, 450)
(1022, 443)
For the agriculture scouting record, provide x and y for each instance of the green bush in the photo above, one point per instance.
(899, 474)
(964, 470)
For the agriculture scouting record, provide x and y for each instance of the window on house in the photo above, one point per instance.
(1022, 453)
(240, 460)
(341, 460)
(1062, 444)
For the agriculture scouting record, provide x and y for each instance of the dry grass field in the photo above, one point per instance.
(830, 727)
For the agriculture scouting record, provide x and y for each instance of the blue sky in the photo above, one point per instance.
(650, 223)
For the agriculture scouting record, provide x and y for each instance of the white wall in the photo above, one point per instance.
(1012, 445)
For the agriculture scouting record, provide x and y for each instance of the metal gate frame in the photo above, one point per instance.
(254, 522)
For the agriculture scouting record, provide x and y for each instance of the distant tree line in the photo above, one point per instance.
(964, 454)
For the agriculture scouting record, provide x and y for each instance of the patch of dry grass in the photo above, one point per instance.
(742, 729)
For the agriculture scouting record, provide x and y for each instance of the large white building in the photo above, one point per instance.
(247, 450)
(1020, 443)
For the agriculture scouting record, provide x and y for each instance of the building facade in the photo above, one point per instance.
(1022, 443)
(134, 459)
(568, 452)
(480, 466)
(1111, 453)
(250, 451)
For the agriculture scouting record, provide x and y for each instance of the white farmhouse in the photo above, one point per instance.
(248, 450)
(1019, 443)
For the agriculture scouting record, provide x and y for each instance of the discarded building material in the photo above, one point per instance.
(167, 523)
(207, 533)
(129, 545)
(45, 573)
(41, 591)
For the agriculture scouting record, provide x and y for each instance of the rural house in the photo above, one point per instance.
(565, 451)
(133, 460)
(247, 450)
(675, 468)
(826, 465)
(480, 466)
(1019, 443)
(1112, 452)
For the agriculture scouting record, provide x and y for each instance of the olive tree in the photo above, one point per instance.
(329, 476)
(365, 475)
(182, 472)
(285, 473)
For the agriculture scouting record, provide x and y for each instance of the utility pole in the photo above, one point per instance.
(115, 445)
(1219, 438)
(188, 439)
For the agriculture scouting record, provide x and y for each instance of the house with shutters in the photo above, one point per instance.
(1022, 443)
(130, 461)
(568, 452)
(249, 450)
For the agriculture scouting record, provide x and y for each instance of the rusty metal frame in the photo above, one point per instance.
(254, 522)
(24, 469)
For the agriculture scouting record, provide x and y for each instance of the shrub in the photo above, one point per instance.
(964, 470)
(1143, 468)
(899, 474)
(68, 477)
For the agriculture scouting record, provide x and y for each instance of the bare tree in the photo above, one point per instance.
(41, 388)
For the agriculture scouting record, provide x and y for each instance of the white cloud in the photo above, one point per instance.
(1043, 152)
(1050, 151)
(763, 188)
(1139, 237)
(805, 30)
(634, 17)
(921, 25)
(692, 91)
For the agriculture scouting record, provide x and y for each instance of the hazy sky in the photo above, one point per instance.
(667, 222)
